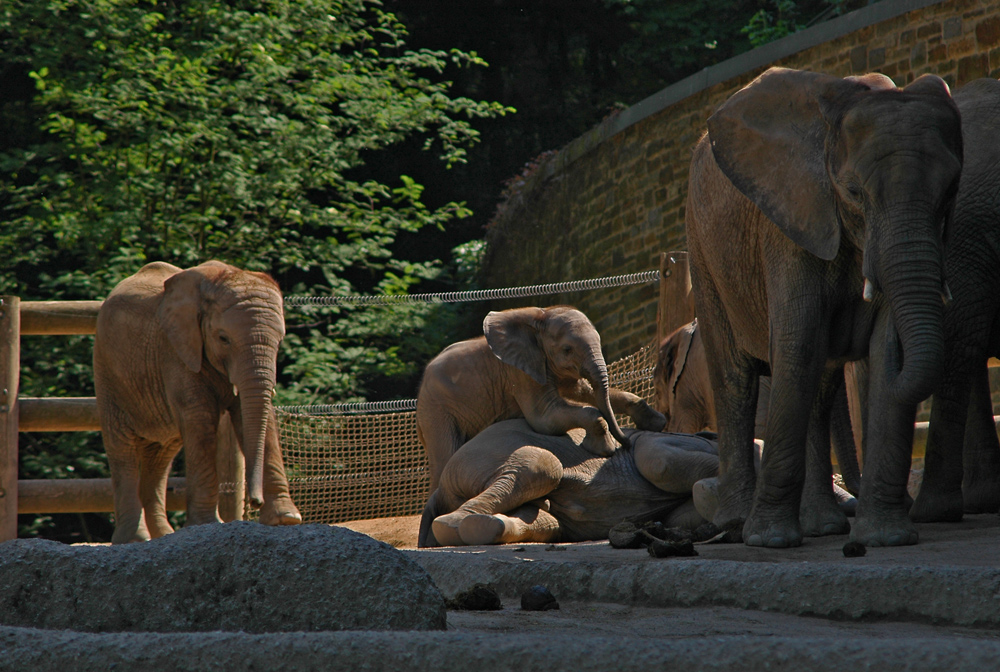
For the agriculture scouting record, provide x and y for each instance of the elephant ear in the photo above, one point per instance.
(682, 342)
(180, 315)
(769, 139)
(513, 337)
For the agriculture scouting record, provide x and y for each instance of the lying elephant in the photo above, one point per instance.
(541, 364)
(511, 484)
(683, 394)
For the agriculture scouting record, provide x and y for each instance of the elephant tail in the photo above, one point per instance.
(433, 509)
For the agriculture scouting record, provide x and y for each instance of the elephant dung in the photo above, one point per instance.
(538, 598)
(239, 576)
(481, 597)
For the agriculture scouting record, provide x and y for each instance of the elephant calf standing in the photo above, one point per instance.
(174, 350)
(511, 484)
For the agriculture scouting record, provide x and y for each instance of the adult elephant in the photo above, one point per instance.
(174, 350)
(807, 188)
(683, 393)
(511, 484)
(542, 364)
(962, 411)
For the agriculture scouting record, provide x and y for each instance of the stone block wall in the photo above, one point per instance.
(611, 201)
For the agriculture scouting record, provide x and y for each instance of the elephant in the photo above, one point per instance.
(815, 214)
(683, 393)
(541, 364)
(173, 351)
(511, 484)
(962, 459)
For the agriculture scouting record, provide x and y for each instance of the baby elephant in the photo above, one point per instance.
(510, 484)
(541, 364)
(174, 350)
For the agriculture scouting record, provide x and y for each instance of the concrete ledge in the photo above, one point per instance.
(41, 651)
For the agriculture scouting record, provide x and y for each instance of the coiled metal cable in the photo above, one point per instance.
(478, 294)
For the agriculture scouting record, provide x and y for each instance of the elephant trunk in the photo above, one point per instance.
(915, 350)
(596, 371)
(256, 387)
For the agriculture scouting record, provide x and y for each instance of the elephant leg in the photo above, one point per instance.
(881, 518)
(200, 432)
(548, 412)
(674, 462)
(441, 438)
(940, 495)
(528, 473)
(643, 415)
(525, 524)
(278, 508)
(735, 387)
(124, 465)
(819, 512)
(981, 450)
(797, 369)
(155, 468)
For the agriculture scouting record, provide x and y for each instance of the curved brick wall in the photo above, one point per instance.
(609, 202)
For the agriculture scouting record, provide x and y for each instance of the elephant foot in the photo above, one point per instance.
(820, 513)
(983, 496)
(600, 444)
(705, 495)
(772, 529)
(648, 418)
(893, 529)
(732, 511)
(823, 521)
(280, 511)
(445, 529)
(481, 529)
(935, 505)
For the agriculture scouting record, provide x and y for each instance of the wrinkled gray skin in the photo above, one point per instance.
(541, 364)
(684, 394)
(510, 484)
(962, 411)
(173, 348)
(806, 189)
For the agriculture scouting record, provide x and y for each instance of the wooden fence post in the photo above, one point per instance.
(676, 305)
(10, 370)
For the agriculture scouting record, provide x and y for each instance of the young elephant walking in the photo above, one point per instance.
(174, 350)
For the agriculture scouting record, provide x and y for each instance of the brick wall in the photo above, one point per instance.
(612, 200)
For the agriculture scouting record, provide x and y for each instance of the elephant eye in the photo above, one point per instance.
(224, 339)
(567, 349)
(854, 189)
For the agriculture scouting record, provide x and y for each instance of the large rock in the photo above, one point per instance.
(238, 576)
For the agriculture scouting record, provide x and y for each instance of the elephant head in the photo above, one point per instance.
(857, 170)
(557, 346)
(680, 382)
(228, 319)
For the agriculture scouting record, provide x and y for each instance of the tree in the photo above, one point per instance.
(243, 131)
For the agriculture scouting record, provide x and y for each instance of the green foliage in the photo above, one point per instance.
(767, 27)
(147, 130)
